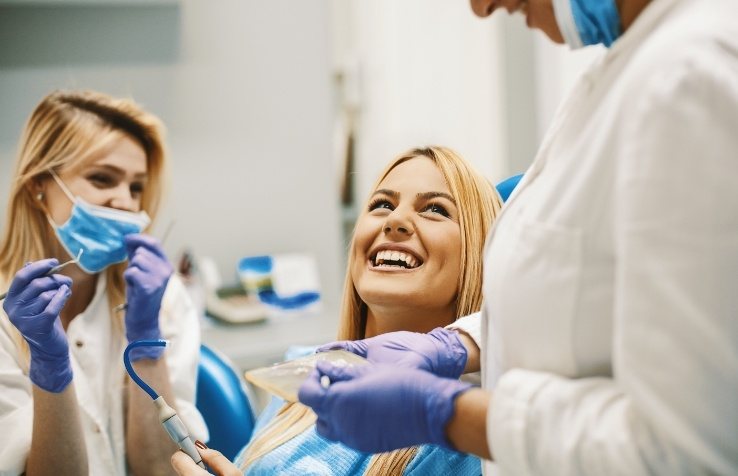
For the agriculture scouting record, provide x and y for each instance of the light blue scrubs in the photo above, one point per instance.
(309, 454)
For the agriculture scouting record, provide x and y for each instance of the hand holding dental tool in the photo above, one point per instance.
(54, 270)
(146, 277)
(124, 306)
(377, 408)
(167, 416)
(440, 351)
(33, 305)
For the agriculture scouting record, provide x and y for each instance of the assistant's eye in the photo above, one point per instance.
(380, 203)
(101, 180)
(137, 188)
(436, 208)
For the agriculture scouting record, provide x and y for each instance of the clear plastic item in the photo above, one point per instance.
(284, 379)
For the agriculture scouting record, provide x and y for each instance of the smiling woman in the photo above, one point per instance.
(414, 264)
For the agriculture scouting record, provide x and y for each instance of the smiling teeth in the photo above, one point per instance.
(396, 258)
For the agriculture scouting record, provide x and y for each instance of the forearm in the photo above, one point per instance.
(148, 447)
(58, 442)
(467, 429)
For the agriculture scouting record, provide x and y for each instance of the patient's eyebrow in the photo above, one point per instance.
(431, 195)
(388, 192)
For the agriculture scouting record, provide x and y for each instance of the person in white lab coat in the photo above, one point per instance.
(89, 174)
(609, 336)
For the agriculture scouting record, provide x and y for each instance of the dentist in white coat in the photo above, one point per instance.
(609, 337)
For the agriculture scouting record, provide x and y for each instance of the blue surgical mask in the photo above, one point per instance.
(99, 231)
(587, 22)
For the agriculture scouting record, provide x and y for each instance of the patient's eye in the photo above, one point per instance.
(436, 208)
(380, 203)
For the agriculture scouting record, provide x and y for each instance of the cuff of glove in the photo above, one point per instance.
(51, 375)
(441, 409)
(451, 353)
(140, 353)
(146, 353)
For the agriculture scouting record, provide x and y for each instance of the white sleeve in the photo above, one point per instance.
(180, 325)
(471, 324)
(671, 406)
(16, 407)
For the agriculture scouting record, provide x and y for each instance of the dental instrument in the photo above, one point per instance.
(53, 270)
(167, 416)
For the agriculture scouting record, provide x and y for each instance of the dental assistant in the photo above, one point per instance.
(609, 334)
(88, 177)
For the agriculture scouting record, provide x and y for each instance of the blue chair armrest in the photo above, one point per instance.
(224, 403)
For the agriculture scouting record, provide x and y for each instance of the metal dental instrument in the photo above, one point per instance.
(167, 416)
(53, 270)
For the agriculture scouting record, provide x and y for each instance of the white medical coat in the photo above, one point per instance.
(96, 349)
(610, 336)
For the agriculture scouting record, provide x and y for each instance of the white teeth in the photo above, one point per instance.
(387, 255)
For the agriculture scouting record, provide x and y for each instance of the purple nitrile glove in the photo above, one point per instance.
(33, 305)
(439, 352)
(377, 408)
(147, 276)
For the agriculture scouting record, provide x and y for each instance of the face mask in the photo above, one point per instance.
(587, 22)
(98, 231)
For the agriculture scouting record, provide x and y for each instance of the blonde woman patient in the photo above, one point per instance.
(414, 265)
(89, 177)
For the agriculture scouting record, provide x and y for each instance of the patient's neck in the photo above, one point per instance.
(383, 319)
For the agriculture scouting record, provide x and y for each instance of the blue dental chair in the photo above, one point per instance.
(223, 401)
(506, 187)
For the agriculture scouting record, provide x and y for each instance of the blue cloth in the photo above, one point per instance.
(598, 21)
(506, 187)
(310, 454)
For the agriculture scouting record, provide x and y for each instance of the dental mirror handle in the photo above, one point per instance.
(177, 431)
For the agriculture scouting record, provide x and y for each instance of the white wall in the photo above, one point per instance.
(244, 88)
(427, 73)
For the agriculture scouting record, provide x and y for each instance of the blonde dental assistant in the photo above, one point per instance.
(609, 336)
(89, 174)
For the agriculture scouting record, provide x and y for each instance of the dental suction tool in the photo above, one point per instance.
(53, 270)
(167, 416)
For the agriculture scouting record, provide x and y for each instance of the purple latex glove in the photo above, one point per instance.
(377, 408)
(439, 352)
(147, 276)
(33, 305)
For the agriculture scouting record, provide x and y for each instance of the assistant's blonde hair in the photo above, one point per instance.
(66, 131)
(478, 204)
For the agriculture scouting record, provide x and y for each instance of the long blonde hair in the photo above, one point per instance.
(66, 131)
(478, 204)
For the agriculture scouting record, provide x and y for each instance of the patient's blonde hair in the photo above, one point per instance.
(478, 205)
(66, 131)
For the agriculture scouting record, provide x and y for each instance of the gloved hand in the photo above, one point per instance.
(33, 305)
(440, 351)
(376, 408)
(147, 276)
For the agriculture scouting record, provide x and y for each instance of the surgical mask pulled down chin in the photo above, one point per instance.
(99, 231)
(587, 22)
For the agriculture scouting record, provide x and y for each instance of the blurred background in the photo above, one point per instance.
(281, 113)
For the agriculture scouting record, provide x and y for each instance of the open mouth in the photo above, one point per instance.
(395, 259)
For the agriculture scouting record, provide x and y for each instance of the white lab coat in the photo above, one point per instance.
(610, 340)
(96, 348)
